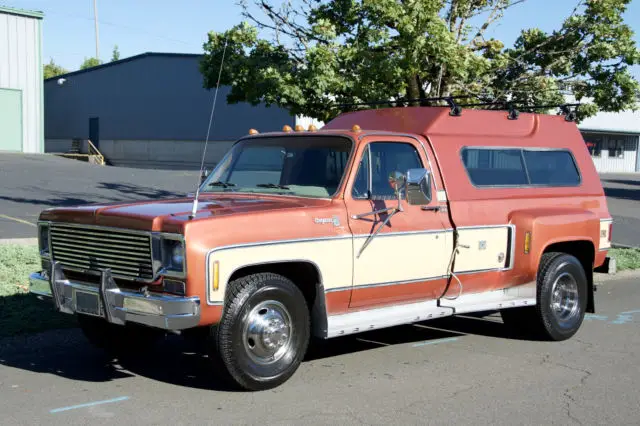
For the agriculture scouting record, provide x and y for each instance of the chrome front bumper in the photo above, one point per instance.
(114, 305)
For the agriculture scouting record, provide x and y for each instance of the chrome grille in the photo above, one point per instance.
(87, 248)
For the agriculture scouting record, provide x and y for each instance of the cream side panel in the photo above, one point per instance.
(402, 257)
(604, 234)
(487, 249)
(333, 258)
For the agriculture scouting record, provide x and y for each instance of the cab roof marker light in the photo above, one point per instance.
(287, 129)
(253, 132)
(299, 128)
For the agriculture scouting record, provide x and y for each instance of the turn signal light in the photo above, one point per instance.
(610, 230)
(527, 242)
(216, 275)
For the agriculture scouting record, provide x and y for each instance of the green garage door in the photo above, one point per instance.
(10, 120)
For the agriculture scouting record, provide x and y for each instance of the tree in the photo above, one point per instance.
(90, 62)
(53, 70)
(319, 54)
(115, 55)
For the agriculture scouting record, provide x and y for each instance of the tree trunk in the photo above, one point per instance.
(413, 89)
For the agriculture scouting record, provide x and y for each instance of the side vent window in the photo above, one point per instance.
(520, 167)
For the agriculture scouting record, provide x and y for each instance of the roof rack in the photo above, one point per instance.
(456, 108)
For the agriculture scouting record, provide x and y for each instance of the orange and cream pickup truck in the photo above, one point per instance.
(382, 217)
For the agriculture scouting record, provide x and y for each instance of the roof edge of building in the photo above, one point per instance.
(22, 12)
(121, 61)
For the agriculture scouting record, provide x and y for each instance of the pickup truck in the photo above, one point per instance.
(382, 217)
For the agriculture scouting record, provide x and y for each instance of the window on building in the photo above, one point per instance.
(616, 148)
(520, 167)
(594, 145)
(385, 158)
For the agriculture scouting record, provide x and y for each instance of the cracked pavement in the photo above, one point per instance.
(471, 372)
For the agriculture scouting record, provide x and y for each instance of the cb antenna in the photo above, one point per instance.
(206, 141)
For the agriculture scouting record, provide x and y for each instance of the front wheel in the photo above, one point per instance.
(561, 300)
(264, 331)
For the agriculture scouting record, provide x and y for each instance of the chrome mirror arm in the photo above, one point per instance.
(382, 225)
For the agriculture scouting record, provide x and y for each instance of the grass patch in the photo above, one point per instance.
(626, 258)
(21, 312)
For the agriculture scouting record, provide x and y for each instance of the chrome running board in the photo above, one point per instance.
(513, 297)
(390, 316)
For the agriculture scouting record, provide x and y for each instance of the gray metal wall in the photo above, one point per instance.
(21, 69)
(152, 97)
(605, 162)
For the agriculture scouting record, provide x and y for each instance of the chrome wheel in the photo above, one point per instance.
(267, 332)
(565, 301)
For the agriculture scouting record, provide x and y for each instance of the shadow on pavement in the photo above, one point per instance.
(183, 362)
(623, 193)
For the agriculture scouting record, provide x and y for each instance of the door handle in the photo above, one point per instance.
(431, 208)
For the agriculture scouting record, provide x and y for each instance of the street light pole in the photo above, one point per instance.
(95, 18)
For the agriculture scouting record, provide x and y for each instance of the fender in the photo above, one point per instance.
(551, 226)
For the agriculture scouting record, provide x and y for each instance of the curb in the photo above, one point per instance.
(19, 241)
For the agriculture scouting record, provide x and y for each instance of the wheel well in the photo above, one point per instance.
(584, 251)
(306, 276)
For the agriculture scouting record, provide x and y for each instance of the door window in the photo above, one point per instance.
(377, 163)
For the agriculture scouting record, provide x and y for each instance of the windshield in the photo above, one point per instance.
(307, 166)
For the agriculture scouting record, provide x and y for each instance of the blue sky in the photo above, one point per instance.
(138, 26)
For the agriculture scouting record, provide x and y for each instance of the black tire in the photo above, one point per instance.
(244, 352)
(554, 317)
(127, 340)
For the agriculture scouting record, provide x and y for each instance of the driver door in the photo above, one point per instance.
(408, 259)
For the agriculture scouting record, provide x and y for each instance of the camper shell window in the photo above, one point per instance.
(520, 167)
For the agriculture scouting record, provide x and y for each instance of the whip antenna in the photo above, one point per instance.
(206, 141)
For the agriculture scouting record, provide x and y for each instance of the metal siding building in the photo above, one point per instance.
(21, 81)
(149, 110)
(612, 140)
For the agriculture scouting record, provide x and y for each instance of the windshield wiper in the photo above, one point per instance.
(272, 185)
(222, 184)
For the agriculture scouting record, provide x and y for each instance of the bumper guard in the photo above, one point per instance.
(115, 305)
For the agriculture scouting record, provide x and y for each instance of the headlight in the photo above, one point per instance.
(173, 259)
(43, 239)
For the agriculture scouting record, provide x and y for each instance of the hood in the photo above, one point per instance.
(171, 215)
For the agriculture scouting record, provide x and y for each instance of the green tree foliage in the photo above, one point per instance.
(53, 70)
(115, 55)
(311, 55)
(90, 62)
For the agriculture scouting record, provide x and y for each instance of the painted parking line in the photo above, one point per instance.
(88, 404)
(435, 342)
(15, 219)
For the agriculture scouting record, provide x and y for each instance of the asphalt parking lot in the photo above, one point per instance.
(461, 370)
(31, 183)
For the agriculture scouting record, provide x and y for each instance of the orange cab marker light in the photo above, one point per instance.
(253, 132)
(299, 128)
(286, 129)
(312, 128)
(355, 128)
(527, 242)
(216, 275)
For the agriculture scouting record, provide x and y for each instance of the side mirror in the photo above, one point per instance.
(418, 186)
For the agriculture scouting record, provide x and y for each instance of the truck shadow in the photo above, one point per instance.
(183, 362)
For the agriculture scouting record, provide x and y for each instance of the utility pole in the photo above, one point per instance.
(95, 18)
